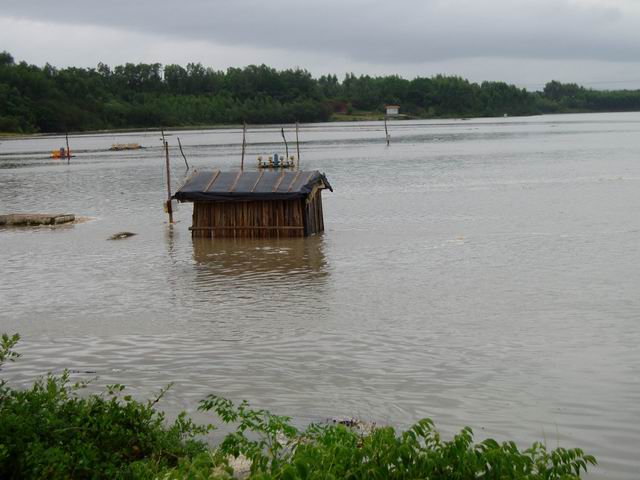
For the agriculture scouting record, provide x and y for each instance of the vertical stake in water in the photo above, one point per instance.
(66, 135)
(386, 132)
(185, 158)
(297, 144)
(286, 147)
(169, 207)
(244, 144)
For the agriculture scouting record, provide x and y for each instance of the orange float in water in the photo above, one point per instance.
(62, 153)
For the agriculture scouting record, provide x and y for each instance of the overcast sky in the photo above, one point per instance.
(526, 42)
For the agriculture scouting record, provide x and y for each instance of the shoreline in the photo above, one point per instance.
(337, 118)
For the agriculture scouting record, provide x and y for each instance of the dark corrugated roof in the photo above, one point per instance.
(250, 185)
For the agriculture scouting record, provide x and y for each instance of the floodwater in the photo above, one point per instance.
(483, 272)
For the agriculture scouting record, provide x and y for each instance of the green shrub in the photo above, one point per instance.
(49, 431)
(278, 450)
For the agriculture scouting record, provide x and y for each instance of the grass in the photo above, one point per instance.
(51, 431)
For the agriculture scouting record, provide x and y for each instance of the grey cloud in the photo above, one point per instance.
(372, 31)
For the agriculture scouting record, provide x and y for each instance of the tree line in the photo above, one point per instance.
(48, 99)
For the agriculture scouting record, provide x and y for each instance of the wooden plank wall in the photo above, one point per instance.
(254, 219)
(314, 223)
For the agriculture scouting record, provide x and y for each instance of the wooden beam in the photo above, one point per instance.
(386, 131)
(212, 181)
(244, 143)
(169, 206)
(68, 150)
(293, 181)
(297, 145)
(235, 182)
(275, 187)
(257, 181)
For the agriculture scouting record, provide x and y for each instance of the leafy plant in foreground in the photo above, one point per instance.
(278, 450)
(6, 348)
(49, 431)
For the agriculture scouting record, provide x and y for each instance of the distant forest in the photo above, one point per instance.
(47, 99)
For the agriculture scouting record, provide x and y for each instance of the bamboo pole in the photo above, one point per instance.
(185, 158)
(297, 144)
(386, 131)
(244, 144)
(169, 207)
(68, 151)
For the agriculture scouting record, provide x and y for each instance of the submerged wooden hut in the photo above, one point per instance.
(255, 204)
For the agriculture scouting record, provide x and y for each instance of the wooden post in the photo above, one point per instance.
(169, 208)
(244, 144)
(297, 144)
(68, 151)
(185, 158)
(386, 132)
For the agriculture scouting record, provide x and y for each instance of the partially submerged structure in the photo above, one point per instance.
(117, 147)
(35, 219)
(392, 110)
(255, 204)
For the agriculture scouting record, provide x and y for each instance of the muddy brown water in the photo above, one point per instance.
(483, 272)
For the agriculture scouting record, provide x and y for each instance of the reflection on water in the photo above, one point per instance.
(266, 261)
(480, 272)
(277, 282)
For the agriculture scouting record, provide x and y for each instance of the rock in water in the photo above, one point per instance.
(121, 235)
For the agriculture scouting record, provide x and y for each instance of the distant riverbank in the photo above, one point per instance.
(142, 96)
